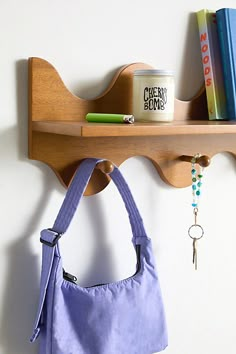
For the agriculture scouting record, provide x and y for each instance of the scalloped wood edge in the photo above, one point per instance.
(50, 100)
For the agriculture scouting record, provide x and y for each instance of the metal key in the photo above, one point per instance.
(196, 232)
(195, 252)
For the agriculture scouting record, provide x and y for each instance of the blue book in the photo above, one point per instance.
(226, 25)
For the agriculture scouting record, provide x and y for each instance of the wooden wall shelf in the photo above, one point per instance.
(60, 137)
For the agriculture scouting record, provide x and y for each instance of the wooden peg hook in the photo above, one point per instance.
(203, 160)
(105, 166)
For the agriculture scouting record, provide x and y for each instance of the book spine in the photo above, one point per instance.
(227, 61)
(212, 68)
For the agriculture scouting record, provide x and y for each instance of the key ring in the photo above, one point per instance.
(195, 231)
(198, 228)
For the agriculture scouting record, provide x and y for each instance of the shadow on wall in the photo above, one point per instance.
(101, 268)
(22, 279)
(191, 75)
(22, 288)
(21, 293)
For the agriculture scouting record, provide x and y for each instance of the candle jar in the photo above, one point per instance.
(153, 95)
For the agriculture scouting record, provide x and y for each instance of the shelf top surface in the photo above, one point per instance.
(84, 129)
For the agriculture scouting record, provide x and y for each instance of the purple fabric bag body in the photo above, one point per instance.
(124, 317)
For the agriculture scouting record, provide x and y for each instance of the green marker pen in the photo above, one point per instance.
(110, 118)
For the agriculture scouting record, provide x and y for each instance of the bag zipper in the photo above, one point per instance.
(69, 277)
(72, 278)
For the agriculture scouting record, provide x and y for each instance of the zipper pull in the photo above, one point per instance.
(69, 277)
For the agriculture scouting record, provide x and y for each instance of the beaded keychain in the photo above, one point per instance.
(196, 231)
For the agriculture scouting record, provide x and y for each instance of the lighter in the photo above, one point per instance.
(110, 118)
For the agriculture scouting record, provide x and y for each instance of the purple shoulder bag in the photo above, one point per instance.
(124, 317)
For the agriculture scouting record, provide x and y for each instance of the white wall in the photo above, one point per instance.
(87, 41)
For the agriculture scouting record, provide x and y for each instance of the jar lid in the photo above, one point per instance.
(150, 72)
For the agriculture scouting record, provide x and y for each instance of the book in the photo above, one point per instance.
(226, 22)
(212, 66)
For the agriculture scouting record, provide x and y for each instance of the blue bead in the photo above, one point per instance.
(193, 171)
(194, 205)
(199, 184)
(194, 187)
(198, 192)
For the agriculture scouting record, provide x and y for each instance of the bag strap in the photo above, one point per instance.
(50, 237)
